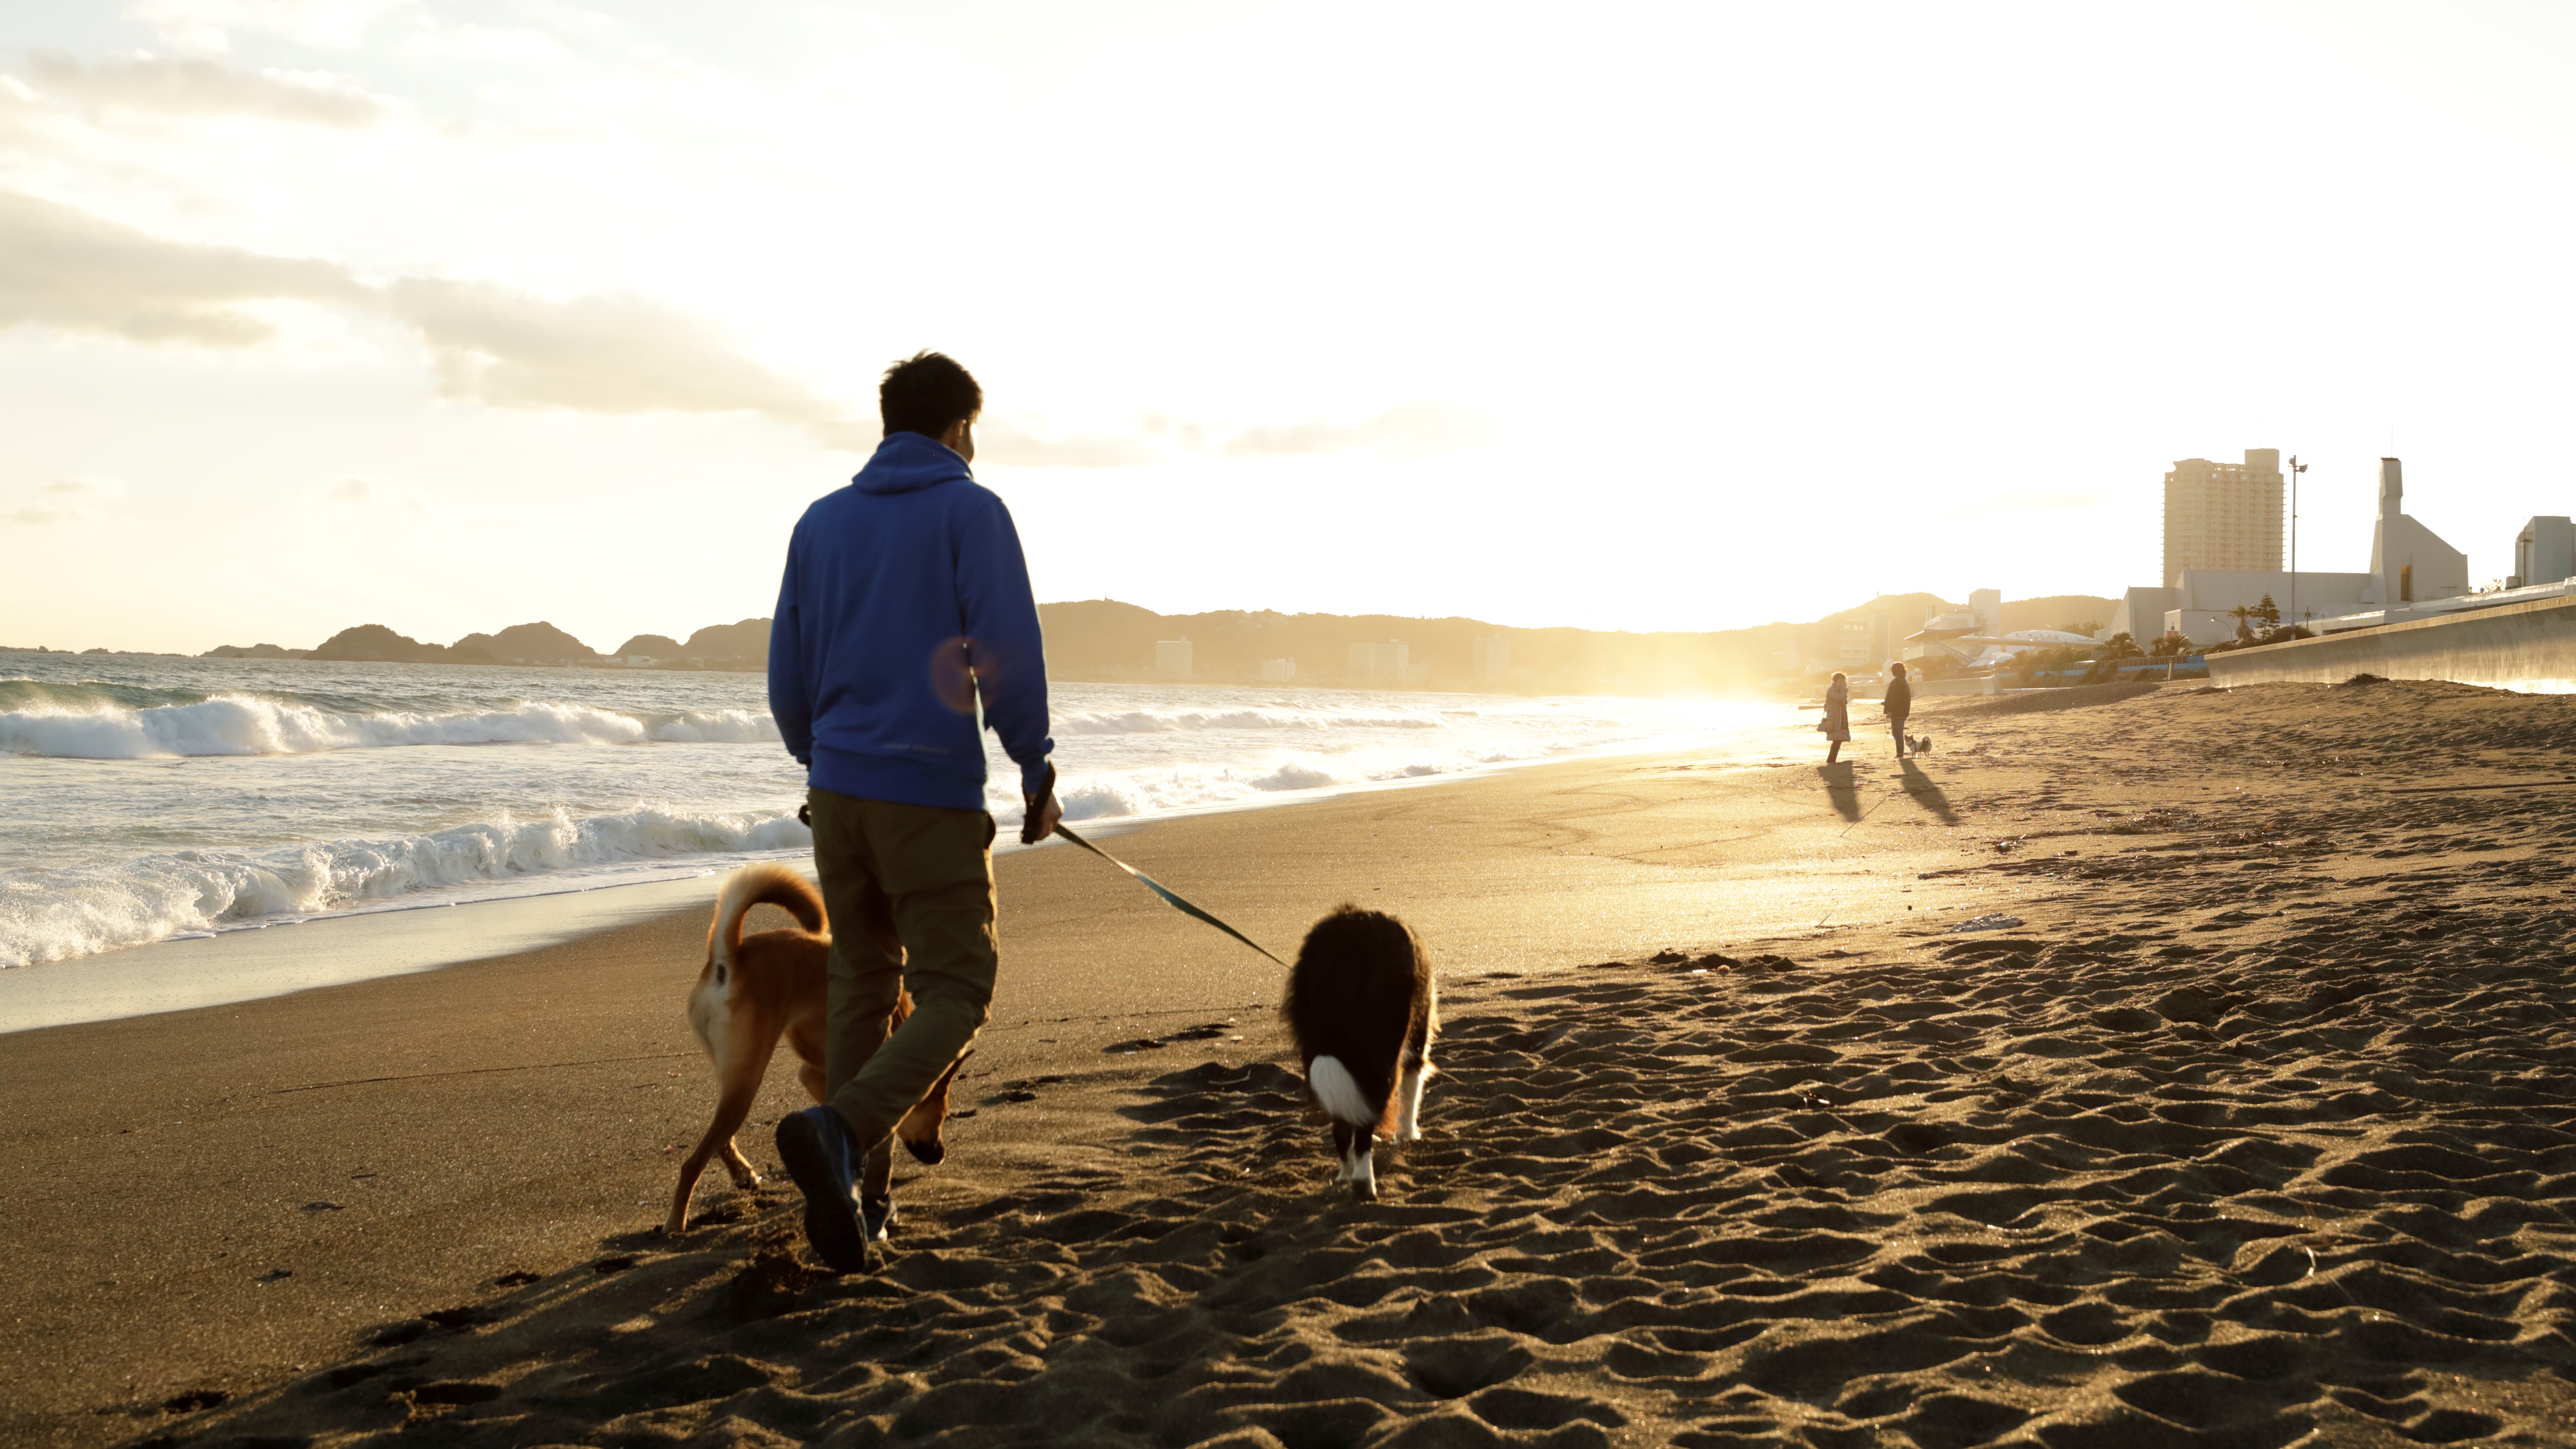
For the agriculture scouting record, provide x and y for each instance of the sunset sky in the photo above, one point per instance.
(451, 316)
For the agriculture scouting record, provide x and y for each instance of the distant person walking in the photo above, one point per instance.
(1837, 721)
(905, 602)
(1899, 704)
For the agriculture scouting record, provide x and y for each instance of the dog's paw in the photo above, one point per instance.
(929, 1154)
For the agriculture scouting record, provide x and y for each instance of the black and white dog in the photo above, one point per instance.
(1363, 1008)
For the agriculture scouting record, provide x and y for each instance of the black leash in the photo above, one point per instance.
(805, 815)
(1158, 888)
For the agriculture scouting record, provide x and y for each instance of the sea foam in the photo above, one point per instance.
(51, 914)
(88, 723)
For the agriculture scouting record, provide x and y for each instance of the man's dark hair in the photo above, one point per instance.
(926, 393)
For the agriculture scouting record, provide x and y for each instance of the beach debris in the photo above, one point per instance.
(454, 1392)
(1130, 1048)
(1986, 923)
(274, 1275)
(1666, 957)
(323, 1205)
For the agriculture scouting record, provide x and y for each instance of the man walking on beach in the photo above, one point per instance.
(1898, 704)
(906, 601)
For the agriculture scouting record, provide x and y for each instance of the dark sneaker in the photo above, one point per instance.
(815, 1148)
(876, 1218)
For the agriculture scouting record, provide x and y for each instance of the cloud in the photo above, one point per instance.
(362, 494)
(196, 87)
(1408, 431)
(207, 25)
(71, 485)
(65, 268)
(1000, 442)
(35, 516)
(610, 353)
(602, 354)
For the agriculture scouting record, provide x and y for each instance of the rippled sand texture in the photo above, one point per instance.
(2258, 1128)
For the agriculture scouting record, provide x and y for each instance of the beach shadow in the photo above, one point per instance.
(1839, 789)
(1927, 794)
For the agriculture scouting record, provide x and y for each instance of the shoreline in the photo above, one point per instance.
(256, 960)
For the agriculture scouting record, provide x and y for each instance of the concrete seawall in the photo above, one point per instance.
(2530, 647)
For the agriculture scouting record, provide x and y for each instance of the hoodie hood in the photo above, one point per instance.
(908, 463)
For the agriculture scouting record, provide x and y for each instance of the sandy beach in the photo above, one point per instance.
(2248, 1121)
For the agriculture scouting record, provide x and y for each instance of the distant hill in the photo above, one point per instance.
(2059, 611)
(744, 643)
(530, 644)
(1106, 639)
(376, 644)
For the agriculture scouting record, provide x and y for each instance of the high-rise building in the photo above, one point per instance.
(2223, 515)
(1988, 606)
(1172, 658)
(1383, 665)
(1493, 658)
(1277, 671)
(2544, 552)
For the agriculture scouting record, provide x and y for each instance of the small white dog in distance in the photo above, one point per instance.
(1364, 1008)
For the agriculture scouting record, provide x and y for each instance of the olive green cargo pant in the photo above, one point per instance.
(910, 892)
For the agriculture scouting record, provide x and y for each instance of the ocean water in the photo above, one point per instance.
(153, 799)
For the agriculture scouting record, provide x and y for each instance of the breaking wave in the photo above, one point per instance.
(1176, 721)
(88, 722)
(48, 915)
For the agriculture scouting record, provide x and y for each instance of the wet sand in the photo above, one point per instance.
(2255, 1125)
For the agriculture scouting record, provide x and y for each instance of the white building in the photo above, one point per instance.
(2543, 553)
(1492, 659)
(2140, 614)
(1864, 645)
(1988, 606)
(2223, 515)
(2411, 561)
(1277, 671)
(2202, 603)
(1172, 658)
(1380, 664)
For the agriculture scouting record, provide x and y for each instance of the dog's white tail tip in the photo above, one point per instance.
(1339, 1092)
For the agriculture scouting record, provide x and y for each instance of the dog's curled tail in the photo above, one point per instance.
(764, 884)
(1339, 1094)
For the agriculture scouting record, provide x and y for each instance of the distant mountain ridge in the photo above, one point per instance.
(740, 645)
(1103, 639)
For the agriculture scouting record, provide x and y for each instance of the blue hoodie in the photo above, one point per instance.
(905, 598)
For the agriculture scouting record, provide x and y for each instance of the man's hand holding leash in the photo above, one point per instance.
(1043, 813)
